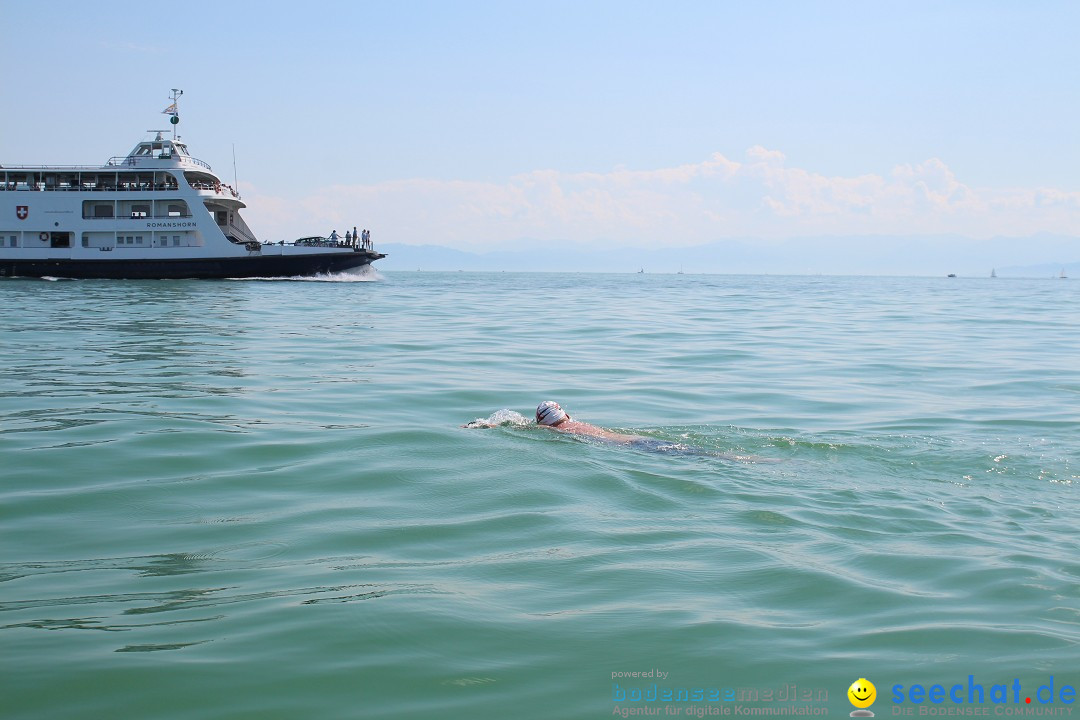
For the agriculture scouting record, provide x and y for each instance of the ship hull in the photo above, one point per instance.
(190, 268)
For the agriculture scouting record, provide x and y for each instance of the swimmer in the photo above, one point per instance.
(549, 414)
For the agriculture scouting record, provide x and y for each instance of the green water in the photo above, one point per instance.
(254, 499)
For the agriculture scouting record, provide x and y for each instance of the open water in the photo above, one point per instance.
(254, 499)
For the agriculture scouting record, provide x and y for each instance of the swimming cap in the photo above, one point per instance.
(549, 413)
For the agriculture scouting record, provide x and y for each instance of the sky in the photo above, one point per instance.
(493, 126)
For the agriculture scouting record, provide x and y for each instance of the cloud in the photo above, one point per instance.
(717, 198)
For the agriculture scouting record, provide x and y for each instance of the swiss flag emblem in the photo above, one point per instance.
(21, 211)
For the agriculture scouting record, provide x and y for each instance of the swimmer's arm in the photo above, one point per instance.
(478, 424)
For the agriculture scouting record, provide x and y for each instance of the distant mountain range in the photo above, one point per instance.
(1035, 256)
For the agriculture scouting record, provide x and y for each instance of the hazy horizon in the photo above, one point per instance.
(801, 256)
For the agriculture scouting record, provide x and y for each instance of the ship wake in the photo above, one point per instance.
(365, 273)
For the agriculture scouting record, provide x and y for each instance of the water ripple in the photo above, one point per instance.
(264, 490)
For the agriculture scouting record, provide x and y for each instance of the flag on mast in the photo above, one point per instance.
(171, 110)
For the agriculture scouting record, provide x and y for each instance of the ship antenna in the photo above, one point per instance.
(236, 183)
(173, 111)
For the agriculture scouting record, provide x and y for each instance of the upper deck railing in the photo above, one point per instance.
(50, 168)
(136, 161)
(114, 162)
(217, 188)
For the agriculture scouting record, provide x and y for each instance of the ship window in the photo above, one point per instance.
(13, 242)
(176, 240)
(103, 211)
(222, 217)
(85, 240)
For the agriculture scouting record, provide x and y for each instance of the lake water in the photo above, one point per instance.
(254, 499)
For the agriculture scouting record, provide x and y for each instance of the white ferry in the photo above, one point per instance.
(156, 213)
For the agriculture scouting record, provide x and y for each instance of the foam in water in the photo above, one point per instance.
(365, 273)
(501, 417)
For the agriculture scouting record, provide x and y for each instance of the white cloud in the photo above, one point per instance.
(683, 205)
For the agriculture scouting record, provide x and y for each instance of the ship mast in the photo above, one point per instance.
(174, 111)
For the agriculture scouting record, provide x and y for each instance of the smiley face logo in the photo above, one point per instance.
(862, 693)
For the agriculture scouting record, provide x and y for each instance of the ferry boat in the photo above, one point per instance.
(157, 212)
